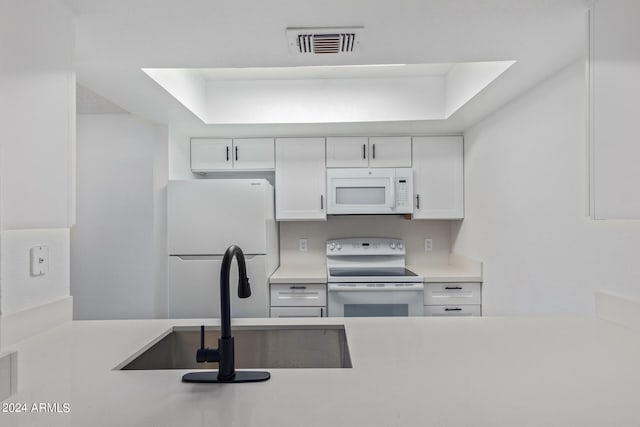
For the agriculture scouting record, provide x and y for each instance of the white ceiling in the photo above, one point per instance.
(117, 38)
(89, 102)
(327, 72)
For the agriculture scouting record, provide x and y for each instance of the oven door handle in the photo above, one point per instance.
(337, 287)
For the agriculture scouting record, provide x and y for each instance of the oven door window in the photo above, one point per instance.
(375, 303)
(376, 310)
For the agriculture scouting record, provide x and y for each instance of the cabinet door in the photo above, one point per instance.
(298, 295)
(452, 310)
(298, 311)
(210, 154)
(253, 153)
(390, 152)
(300, 179)
(438, 177)
(452, 293)
(348, 152)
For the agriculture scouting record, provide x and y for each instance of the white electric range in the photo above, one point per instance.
(367, 277)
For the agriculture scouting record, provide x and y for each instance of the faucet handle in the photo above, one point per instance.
(201, 352)
(204, 354)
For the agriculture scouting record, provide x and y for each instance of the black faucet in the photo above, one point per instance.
(224, 354)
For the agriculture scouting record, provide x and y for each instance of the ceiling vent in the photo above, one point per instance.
(329, 40)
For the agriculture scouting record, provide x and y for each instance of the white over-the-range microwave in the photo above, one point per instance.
(369, 191)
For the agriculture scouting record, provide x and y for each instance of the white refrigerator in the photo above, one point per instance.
(205, 217)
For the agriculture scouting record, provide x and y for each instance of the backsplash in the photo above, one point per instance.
(412, 232)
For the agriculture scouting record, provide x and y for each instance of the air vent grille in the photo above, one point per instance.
(323, 40)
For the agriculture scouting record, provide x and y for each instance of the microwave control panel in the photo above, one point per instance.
(402, 197)
(404, 189)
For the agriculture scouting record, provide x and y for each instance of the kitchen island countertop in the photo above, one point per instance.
(487, 371)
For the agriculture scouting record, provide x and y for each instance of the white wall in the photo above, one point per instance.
(24, 291)
(37, 87)
(160, 239)
(118, 246)
(615, 101)
(526, 208)
(325, 100)
(37, 107)
(318, 232)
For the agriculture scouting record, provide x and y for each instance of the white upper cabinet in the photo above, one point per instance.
(390, 151)
(209, 154)
(253, 153)
(438, 166)
(362, 152)
(220, 154)
(300, 179)
(348, 152)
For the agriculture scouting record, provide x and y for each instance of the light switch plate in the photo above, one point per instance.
(39, 260)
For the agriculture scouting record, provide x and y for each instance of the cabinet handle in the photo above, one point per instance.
(453, 309)
(364, 151)
(227, 153)
(321, 202)
(374, 151)
(297, 287)
(417, 201)
(321, 311)
(236, 153)
(452, 287)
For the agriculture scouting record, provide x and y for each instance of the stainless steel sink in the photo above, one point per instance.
(255, 347)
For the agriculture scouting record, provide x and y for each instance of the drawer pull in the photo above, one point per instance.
(453, 309)
(297, 287)
(453, 287)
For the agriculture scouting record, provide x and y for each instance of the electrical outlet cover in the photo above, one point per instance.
(39, 260)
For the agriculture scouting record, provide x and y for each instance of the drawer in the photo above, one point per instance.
(298, 295)
(298, 311)
(452, 310)
(451, 293)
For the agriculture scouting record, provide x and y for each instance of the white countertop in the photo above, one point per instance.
(445, 273)
(311, 273)
(317, 273)
(406, 372)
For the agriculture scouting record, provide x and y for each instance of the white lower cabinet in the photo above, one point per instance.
(298, 300)
(453, 299)
(298, 312)
(452, 310)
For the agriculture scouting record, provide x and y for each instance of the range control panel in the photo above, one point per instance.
(365, 246)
